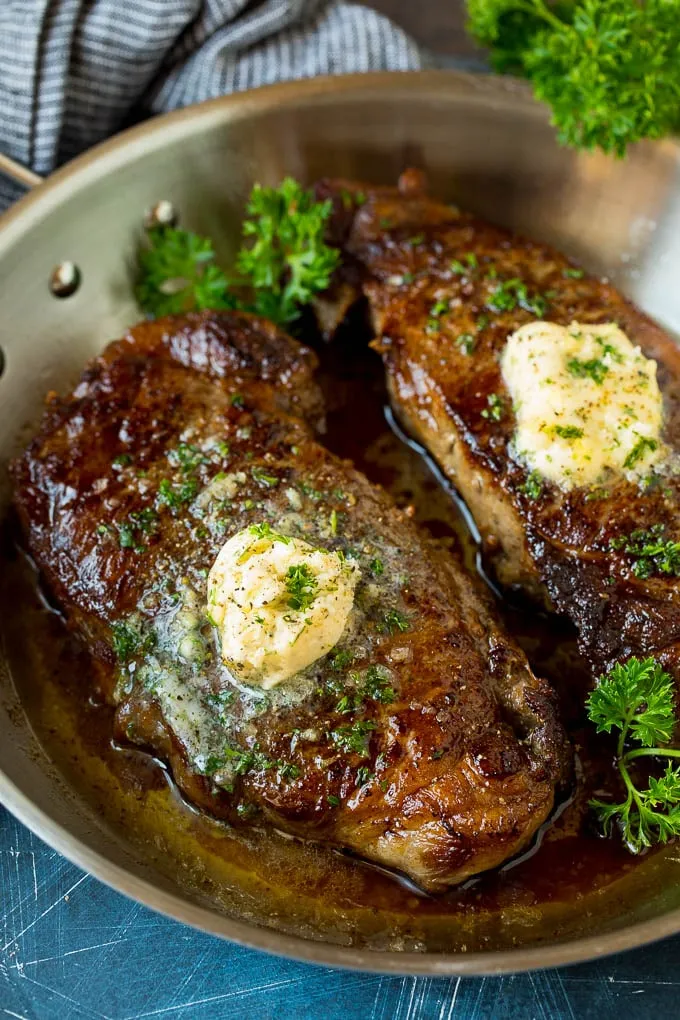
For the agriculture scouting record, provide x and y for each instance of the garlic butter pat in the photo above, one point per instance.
(586, 403)
(278, 603)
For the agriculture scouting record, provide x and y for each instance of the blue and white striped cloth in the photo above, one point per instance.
(73, 72)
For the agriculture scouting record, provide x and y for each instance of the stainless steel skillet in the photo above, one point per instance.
(487, 145)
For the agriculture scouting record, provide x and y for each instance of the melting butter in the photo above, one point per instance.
(586, 403)
(279, 603)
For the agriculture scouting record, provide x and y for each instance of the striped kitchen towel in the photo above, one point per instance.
(73, 72)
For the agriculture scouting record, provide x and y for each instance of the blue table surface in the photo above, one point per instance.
(71, 947)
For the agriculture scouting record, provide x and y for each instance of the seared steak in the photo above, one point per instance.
(421, 741)
(431, 274)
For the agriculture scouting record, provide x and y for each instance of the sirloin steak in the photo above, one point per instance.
(432, 276)
(422, 741)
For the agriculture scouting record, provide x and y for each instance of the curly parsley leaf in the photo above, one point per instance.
(177, 273)
(287, 261)
(283, 262)
(608, 68)
(637, 699)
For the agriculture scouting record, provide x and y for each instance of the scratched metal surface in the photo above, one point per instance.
(70, 947)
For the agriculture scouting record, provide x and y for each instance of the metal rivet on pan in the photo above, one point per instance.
(163, 214)
(65, 279)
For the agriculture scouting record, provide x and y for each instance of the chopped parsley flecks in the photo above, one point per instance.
(376, 566)
(438, 309)
(308, 490)
(221, 448)
(377, 687)
(265, 530)
(333, 800)
(511, 294)
(593, 368)
(238, 401)
(242, 762)
(137, 524)
(349, 703)
(301, 585)
(373, 686)
(219, 703)
(466, 343)
(355, 738)
(596, 494)
(393, 622)
(176, 496)
(188, 458)
(341, 660)
(573, 273)
(651, 553)
(644, 444)
(364, 776)
(122, 460)
(128, 641)
(415, 240)
(494, 409)
(607, 348)
(263, 478)
(460, 267)
(567, 431)
(533, 486)
(213, 764)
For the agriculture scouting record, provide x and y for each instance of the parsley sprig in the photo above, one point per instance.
(288, 261)
(281, 264)
(636, 698)
(176, 273)
(608, 68)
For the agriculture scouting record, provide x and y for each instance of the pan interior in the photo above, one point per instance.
(487, 147)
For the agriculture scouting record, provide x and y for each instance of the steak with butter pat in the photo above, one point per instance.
(445, 291)
(420, 741)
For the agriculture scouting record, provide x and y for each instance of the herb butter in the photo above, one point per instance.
(278, 603)
(586, 403)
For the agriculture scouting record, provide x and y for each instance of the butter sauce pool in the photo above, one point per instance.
(555, 889)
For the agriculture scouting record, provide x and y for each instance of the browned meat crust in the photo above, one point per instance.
(448, 779)
(409, 251)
